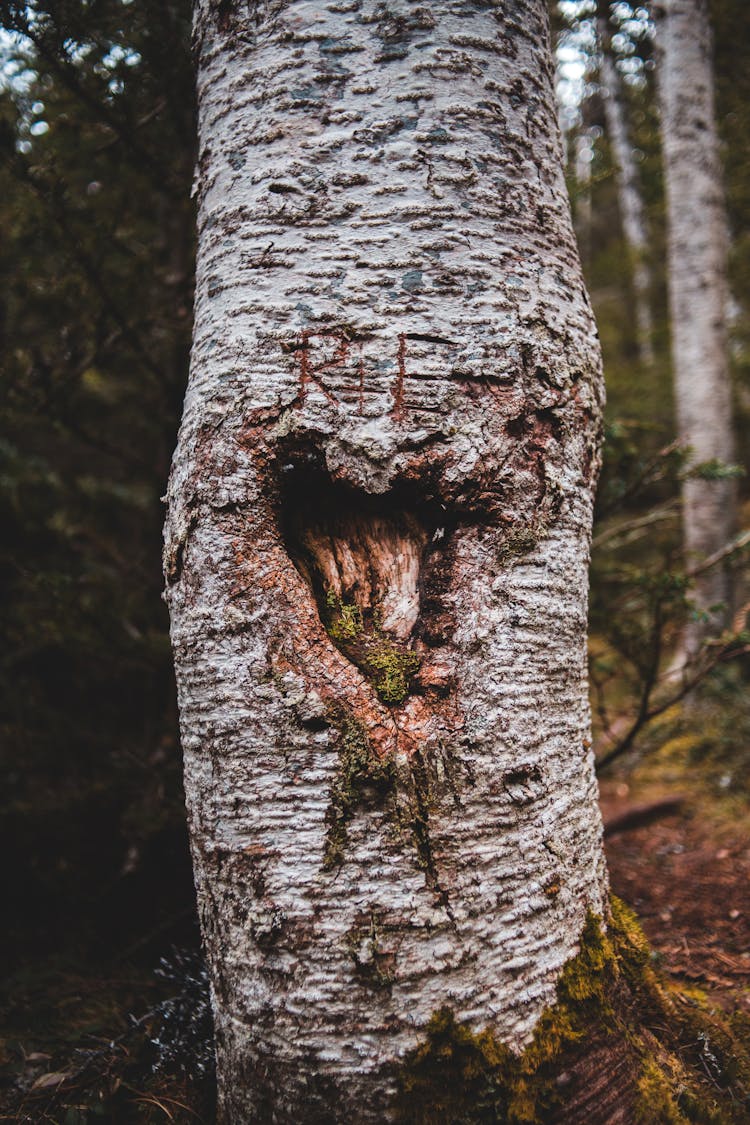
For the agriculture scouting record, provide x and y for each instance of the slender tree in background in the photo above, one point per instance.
(629, 195)
(376, 549)
(697, 275)
(583, 153)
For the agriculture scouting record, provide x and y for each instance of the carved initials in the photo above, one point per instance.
(311, 372)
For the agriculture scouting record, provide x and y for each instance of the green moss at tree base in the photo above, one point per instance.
(615, 1024)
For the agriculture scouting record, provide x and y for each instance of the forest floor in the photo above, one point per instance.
(679, 853)
(687, 876)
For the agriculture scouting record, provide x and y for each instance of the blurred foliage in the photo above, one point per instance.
(640, 593)
(96, 127)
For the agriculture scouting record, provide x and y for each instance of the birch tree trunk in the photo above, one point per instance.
(377, 542)
(583, 208)
(697, 268)
(629, 195)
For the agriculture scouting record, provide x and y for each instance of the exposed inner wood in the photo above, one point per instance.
(369, 561)
(362, 557)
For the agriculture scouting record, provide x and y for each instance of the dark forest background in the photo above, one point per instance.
(97, 139)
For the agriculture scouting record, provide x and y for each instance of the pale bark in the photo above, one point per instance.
(393, 410)
(629, 197)
(697, 269)
(583, 203)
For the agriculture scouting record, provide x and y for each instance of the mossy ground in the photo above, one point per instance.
(688, 1064)
(72, 1052)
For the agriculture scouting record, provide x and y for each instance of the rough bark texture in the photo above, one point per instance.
(377, 542)
(698, 296)
(628, 193)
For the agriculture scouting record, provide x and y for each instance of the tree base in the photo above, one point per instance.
(620, 1045)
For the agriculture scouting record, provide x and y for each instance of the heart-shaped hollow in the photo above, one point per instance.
(362, 556)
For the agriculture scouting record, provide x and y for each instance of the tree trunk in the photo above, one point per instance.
(628, 193)
(377, 543)
(583, 202)
(698, 302)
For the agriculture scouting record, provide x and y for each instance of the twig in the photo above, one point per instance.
(646, 475)
(742, 540)
(667, 512)
(727, 652)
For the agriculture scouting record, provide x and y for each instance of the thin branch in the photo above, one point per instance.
(666, 512)
(737, 544)
(646, 476)
(727, 652)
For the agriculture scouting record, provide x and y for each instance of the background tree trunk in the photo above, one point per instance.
(698, 300)
(583, 153)
(628, 191)
(376, 549)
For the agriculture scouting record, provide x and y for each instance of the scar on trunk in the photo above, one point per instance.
(367, 560)
(333, 361)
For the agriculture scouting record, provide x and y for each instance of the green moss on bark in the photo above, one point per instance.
(404, 791)
(391, 668)
(388, 663)
(459, 1076)
(361, 776)
(612, 1011)
(344, 621)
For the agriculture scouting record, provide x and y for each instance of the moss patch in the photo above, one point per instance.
(656, 1101)
(612, 1015)
(362, 777)
(388, 663)
(417, 797)
(459, 1076)
(364, 780)
(345, 620)
(391, 668)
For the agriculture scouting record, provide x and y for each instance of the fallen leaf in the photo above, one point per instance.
(54, 1078)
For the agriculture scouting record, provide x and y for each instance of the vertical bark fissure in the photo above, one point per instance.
(390, 438)
(697, 259)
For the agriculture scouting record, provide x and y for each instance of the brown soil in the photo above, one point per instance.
(687, 876)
